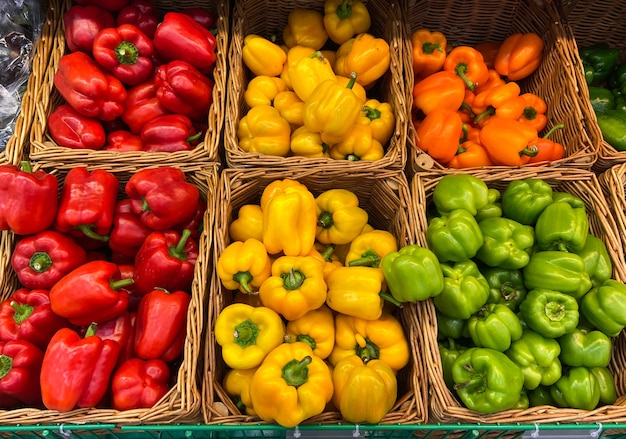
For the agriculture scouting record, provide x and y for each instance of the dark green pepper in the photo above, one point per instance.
(606, 383)
(465, 290)
(620, 100)
(506, 286)
(454, 236)
(540, 396)
(492, 209)
(550, 313)
(601, 58)
(583, 347)
(449, 327)
(598, 264)
(449, 351)
(559, 271)
(460, 191)
(617, 78)
(505, 243)
(605, 307)
(612, 123)
(494, 326)
(562, 227)
(538, 357)
(577, 388)
(602, 99)
(524, 200)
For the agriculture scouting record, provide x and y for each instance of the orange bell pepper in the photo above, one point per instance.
(502, 100)
(520, 54)
(439, 134)
(493, 80)
(429, 52)
(439, 90)
(548, 149)
(508, 142)
(469, 64)
(489, 50)
(534, 111)
(470, 155)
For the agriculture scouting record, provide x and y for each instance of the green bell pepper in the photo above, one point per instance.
(449, 327)
(487, 381)
(506, 286)
(559, 271)
(494, 326)
(620, 99)
(492, 209)
(562, 227)
(550, 313)
(569, 198)
(605, 307)
(583, 347)
(454, 236)
(540, 396)
(617, 78)
(612, 123)
(577, 388)
(460, 191)
(601, 58)
(505, 243)
(465, 290)
(449, 351)
(538, 357)
(606, 383)
(523, 200)
(598, 264)
(412, 273)
(523, 402)
(601, 99)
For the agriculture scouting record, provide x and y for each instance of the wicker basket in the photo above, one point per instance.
(586, 24)
(470, 23)
(182, 402)
(268, 18)
(44, 149)
(385, 196)
(613, 181)
(444, 406)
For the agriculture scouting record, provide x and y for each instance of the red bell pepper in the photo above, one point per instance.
(162, 197)
(182, 89)
(548, 149)
(123, 141)
(71, 129)
(170, 133)
(196, 224)
(161, 324)
(91, 293)
(139, 383)
(87, 203)
(121, 330)
(82, 24)
(76, 371)
(28, 199)
(202, 16)
(127, 271)
(88, 89)
(126, 52)
(129, 232)
(41, 260)
(142, 106)
(110, 5)
(166, 260)
(180, 37)
(20, 366)
(141, 13)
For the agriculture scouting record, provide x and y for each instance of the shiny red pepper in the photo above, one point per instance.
(548, 150)
(161, 324)
(129, 232)
(75, 371)
(82, 24)
(170, 133)
(195, 224)
(123, 141)
(28, 199)
(27, 315)
(88, 89)
(142, 106)
(182, 89)
(202, 16)
(121, 330)
(141, 13)
(166, 260)
(71, 129)
(20, 366)
(139, 383)
(42, 259)
(111, 5)
(91, 293)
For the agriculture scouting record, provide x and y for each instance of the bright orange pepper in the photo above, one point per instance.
(489, 50)
(502, 100)
(493, 80)
(439, 134)
(439, 90)
(520, 54)
(534, 111)
(508, 142)
(469, 64)
(429, 52)
(470, 155)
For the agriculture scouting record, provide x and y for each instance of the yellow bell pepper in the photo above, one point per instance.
(262, 56)
(368, 249)
(316, 328)
(309, 72)
(292, 385)
(247, 334)
(326, 254)
(305, 27)
(248, 224)
(294, 54)
(332, 110)
(339, 217)
(356, 291)
(356, 87)
(263, 130)
(244, 266)
(290, 107)
(277, 187)
(236, 384)
(364, 392)
(357, 145)
(380, 118)
(330, 55)
(381, 339)
(262, 90)
(343, 19)
(305, 143)
(366, 55)
(289, 219)
(295, 287)
(341, 251)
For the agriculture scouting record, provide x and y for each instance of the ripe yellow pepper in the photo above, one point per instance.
(247, 334)
(262, 90)
(236, 384)
(326, 255)
(379, 116)
(262, 56)
(341, 251)
(368, 249)
(364, 392)
(294, 54)
(305, 143)
(244, 266)
(295, 287)
(356, 87)
(292, 385)
(316, 328)
(339, 217)
(366, 55)
(289, 218)
(381, 339)
(248, 224)
(356, 291)
(343, 19)
(264, 131)
(309, 72)
(305, 27)
(357, 145)
(290, 107)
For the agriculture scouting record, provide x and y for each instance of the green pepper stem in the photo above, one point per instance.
(178, 250)
(389, 298)
(145, 207)
(22, 311)
(88, 231)
(317, 55)
(530, 113)
(352, 80)
(295, 373)
(344, 10)
(243, 278)
(117, 284)
(26, 166)
(370, 351)
(127, 53)
(193, 138)
(465, 106)
(325, 220)
(368, 259)
(488, 112)
(531, 151)
(307, 339)
(429, 48)
(91, 329)
(461, 70)
(508, 291)
(352, 158)
(327, 253)
(6, 364)
(293, 279)
(40, 262)
(553, 129)
(371, 113)
(246, 333)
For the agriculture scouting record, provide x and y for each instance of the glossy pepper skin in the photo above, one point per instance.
(308, 72)
(460, 191)
(584, 347)
(140, 13)
(487, 381)
(88, 89)
(122, 140)
(494, 326)
(139, 383)
(340, 219)
(563, 227)
(465, 290)
(369, 248)
(262, 90)
(20, 366)
(508, 141)
(343, 19)
(557, 270)
(82, 24)
(291, 108)
(120, 329)
(507, 286)
(128, 232)
(247, 334)
(612, 123)
(182, 89)
(262, 56)
(71, 129)
(606, 383)
(598, 60)
(524, 200)
(170, 133)
(449, 351)
(316, 328)
(549, 313)
(263, 130)
(538, 357)
(506, 243)
(358, 144)
(519, 55)
(364, 54)
(356, 291)
(381, 119)
(454, 237)
(597, 260)
(248, 224)
(413, 273)
(439, 134)
(534, 112)
(467, 63)
(236, 384)
(141, 106)
(305, 27)
(603, 307)
(440, 90)
(428, 52)
(86, 365)
(244, 266)
(577, 388)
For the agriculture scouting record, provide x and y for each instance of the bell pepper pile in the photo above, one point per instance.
(605, 75)
(309, 327)
(309, 96)
(134, 79)
(529, 307)
(100, 315)
(468, 109)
